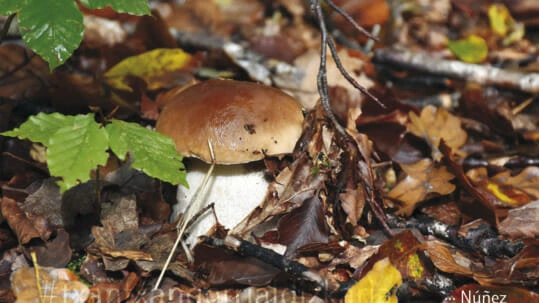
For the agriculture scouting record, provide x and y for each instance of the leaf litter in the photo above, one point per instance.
(451, 222)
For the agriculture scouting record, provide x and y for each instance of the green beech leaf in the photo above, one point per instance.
(153, 153)
(41, 128)
(8, 7)
(135, 7)
(473, 49)
(74, 150)
(52, 28)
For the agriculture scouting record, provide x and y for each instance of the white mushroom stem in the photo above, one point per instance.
(235, 189)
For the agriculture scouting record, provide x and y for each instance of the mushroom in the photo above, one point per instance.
(244, 122)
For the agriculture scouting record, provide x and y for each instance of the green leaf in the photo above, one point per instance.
(52, 28)
(41, 128)
(135, 7)
(473, 49)
(75, 149)
(153, 153)
(8, 7)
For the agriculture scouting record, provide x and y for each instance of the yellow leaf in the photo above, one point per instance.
(379, 285)
(499, 18)
(151, 66)
(503, 24)
(473, 49)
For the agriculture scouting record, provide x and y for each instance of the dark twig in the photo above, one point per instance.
(322, 84)
(295, 269)
(5, 28)
(350, 20)
(346, 75)
(322, 81)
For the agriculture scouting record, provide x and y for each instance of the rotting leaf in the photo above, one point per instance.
(435, 124)
(379, 285)
(151, 66)
(423, 178)
(303, 225)
(472, 49)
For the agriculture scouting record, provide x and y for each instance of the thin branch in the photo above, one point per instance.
(321, 79)
(5, 28)
(481, 74)
(351, 20)
(346, 75)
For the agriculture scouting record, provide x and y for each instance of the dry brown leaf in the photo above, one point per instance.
(444, 261)
(57, 285)
(435, 124)
(114, 292)
(522, 222)
(423, 178)
(309, 62)
(527, 180)
(17, 221)
(504, 190)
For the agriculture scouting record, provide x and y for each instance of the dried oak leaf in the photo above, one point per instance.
(504, 190)
(57, 285)
(527, 181)
(423, 178)
(435, 124)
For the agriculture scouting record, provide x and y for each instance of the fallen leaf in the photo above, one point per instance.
(152, 66)
(17, 221)
(527, 181)
(379, 285)
(443, 259)
(472, 49)
(423, 178)
(497, 189)
(484, 209)
(114, 292)
(522, 222)
(435, 124)
(303, 225)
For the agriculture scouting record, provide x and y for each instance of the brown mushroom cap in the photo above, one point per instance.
(243, 120)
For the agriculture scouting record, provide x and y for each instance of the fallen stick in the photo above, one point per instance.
(481, 74)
